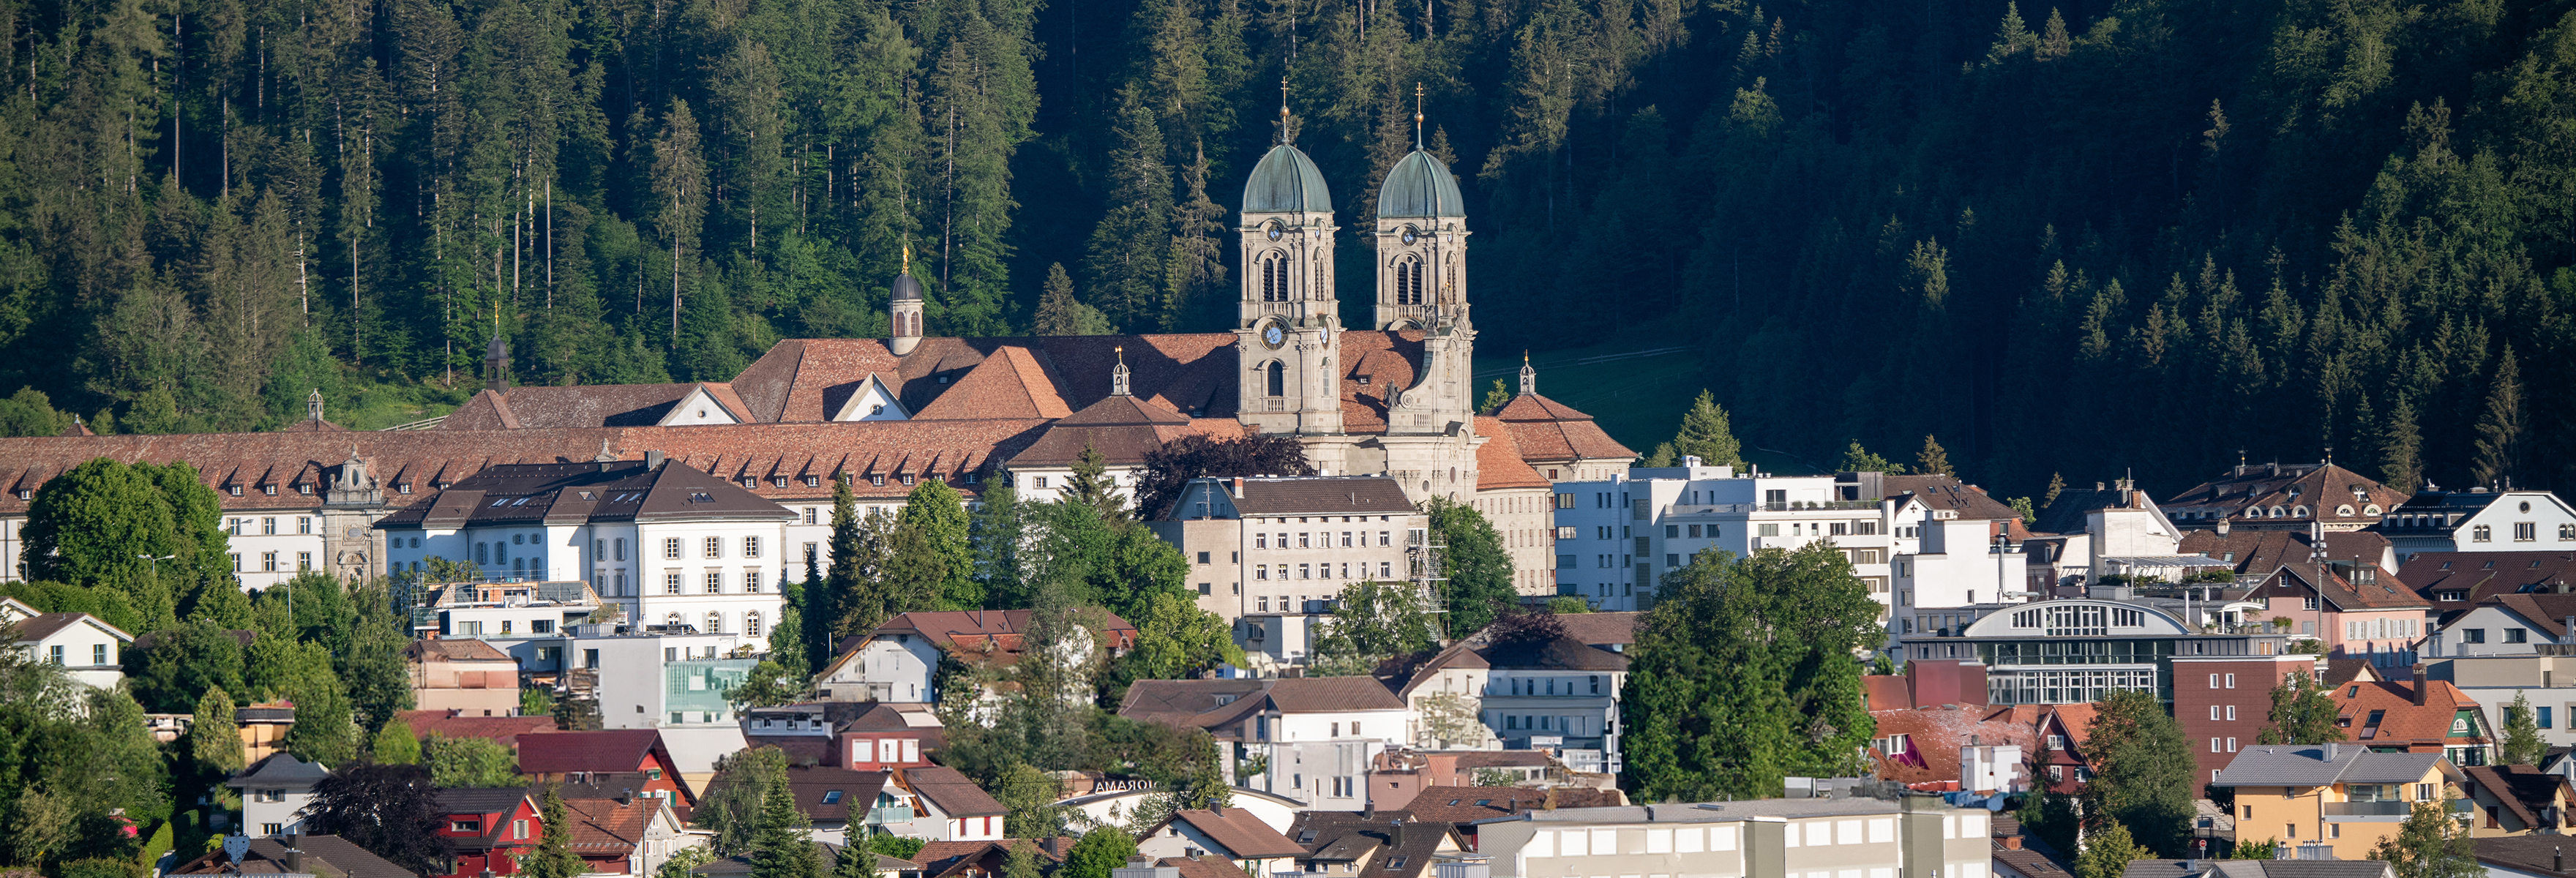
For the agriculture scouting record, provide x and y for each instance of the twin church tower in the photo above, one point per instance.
(1290, 341)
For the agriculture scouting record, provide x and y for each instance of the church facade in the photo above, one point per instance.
(1396, 397)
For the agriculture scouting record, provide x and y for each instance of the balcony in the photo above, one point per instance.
(886, 814)
(2368, 809)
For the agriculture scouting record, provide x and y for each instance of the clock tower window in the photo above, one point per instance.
(1274, 277)
(1275, 378)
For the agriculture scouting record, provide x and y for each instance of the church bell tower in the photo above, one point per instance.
(1288, 331)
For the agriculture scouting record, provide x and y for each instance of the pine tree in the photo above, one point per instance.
(938, 513)
(2523, 744)
(680, 185)
(1091, 486)
(554, 857)
(998, 530)
(779, 847)
(1129, 250)
(1932, 460)
(2499, 434)
(1496, 397)
(1059, 313)
(1195, 281)
(1706, 433)
(2401, 465)
(217, 749)
(1858, 460)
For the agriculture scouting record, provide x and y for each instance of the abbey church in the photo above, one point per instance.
(1396, 398)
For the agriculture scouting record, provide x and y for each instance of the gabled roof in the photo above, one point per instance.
(2525, 790)
(1602, 629)
(44, 625)
(503, 730)
(940, 859)
(2346, 596)
(329, 856)
(949, 791)
(607, 826)
(2547, 614)
(2317, 765)
(1948, 493)
(279, 770)
(2400, 720)
(813, 784)
(1203, 866)
(2259, 552)
(2324, 488)
(1468, 804)
(993, 638)
(1382, 838)
(1010, 382)
(1221, 704)
(458, 650)
(1935, 734)
(1244, 836)
(607, 750)
(2535, 853)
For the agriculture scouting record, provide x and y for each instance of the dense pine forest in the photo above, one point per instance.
(2145, 235)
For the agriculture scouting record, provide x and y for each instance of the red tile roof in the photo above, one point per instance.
(1242, 834)
(503, 730)
(2404, 723)
(1935, 735)
(1547, 430)
(2326, 489)
(1499, 464)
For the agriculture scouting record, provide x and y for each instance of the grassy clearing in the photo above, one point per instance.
(1635, 386)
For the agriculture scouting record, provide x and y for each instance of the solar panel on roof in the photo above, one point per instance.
(559, 591)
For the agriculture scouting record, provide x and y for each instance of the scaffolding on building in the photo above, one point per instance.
(1427, 565)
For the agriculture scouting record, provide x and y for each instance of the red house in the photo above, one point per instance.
(614, 759)
(489, 829)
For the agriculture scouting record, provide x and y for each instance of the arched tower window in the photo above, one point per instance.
(1275, 378)
(1274, 277)
(1408, 281)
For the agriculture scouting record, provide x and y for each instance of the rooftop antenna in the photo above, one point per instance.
(1417, 116)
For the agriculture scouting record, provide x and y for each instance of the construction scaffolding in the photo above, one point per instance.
(1427, 566)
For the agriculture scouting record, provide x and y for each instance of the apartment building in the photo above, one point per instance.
(2073, 650)
(668, 545)
(2344, 796)
(1911, 837)
(1615, 537)
(2545, 681)
(2480, 520)
(1271, 554)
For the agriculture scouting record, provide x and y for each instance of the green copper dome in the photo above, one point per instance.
(1286, 181)
(1419, 186)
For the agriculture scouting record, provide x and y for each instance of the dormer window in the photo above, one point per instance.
(235, 490)
(813, 481)
(877, 480)
(270, 490)
(401, 488)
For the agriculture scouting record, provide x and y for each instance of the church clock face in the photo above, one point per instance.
(1408, 234)
(1273, 335)
(1273, 231)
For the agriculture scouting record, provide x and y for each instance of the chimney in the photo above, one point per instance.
(2557, 859)
(2222, 526)
(1395, 835)
(2420, 684)
(2330, 751)
(294, 854)
(653, 459)
(1238, 487)
(2012, 842)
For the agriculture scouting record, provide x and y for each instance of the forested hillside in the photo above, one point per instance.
(2139, 234)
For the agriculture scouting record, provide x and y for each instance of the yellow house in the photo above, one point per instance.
(2340, 795)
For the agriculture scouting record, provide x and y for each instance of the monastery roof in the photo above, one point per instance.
(1499, 465)
(1549, 430)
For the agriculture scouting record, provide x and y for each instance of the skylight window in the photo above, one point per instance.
(832, 797)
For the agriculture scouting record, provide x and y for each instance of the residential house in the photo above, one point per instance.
(2415, 716)
(2480, 519)
(1270, 554)
(2546, 681)
(1118, 803)
(1234, 835)
(2256, 554)
(1560, 695)
(1955, 748)
(944, 805)
(666, 676)
(2515, 800)
(985, 859)
(838, 800)
(322, 856)
(620, 833)
(274, 792)
(467, 676)
(614, 758)
(1464, 808)
(859, 735)
(1207, 866)
(1911, 837)
(89, 650)
(742, 866)
(2356, 612)
(1400, 775)
(1383, 844)
(526, 620)
(2509, 624)
(488, 830)
(1953, 547)
(1317, 736)
(899, 661)
(670, 545)
(2524, 856)
(2082, 529)
(2014, 859)
(2291, 496)
(2347, 797)
(2456, 582)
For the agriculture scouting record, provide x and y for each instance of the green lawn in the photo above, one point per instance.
(1635, 386)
